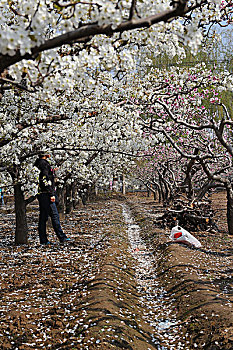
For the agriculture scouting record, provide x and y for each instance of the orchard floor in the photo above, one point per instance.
(120, 283)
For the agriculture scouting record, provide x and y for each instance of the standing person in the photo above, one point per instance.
(1, 196)
(47, 200)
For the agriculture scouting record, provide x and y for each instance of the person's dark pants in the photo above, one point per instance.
(48, 208)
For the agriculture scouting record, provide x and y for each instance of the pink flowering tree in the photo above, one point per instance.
(161, 172)
(187, 109)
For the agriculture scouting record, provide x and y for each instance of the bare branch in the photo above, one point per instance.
(182, 122)
(101, 150)
(132, 9)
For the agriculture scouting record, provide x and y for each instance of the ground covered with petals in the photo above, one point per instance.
(119, 284)
(198, 280)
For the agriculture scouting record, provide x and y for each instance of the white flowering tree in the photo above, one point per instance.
(54, 49)
(52, 44)
(87, 137)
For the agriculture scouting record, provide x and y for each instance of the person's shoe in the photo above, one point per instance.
(47, 243)
(64, 240)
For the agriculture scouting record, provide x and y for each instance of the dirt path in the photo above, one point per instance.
(199, 280)
(118, 285)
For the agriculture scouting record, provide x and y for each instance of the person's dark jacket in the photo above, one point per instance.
(46, 177)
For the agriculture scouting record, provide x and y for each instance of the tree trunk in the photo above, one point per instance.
(21, 232)
(74, 192)
(166, 191)
(86, 193)
(230, 211)
(161, 190)
(114, 183)
(190, 188)
(69, 202)
(61, 200)
(123, 185)
(155, 195)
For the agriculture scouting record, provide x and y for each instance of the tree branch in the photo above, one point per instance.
(23, 126)
(182, 122)
(18, 85)
(90, 30)
(132, 9)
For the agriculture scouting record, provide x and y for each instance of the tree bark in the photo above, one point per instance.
(230, 211)
(74, 192)
(161, 189)
(61, 200)
(123, 185)
(69, 202)
(155, 195)
(21, 232)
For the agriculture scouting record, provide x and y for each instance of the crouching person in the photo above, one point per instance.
(47, 200)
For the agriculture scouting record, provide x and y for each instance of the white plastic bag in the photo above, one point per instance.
(179, 234)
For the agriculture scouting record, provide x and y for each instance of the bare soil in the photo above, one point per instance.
(84, 295)
(200, 280)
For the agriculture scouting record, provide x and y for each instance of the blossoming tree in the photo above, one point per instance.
(57, 49)
(186, 107)
(52, 44)
(88, 142)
